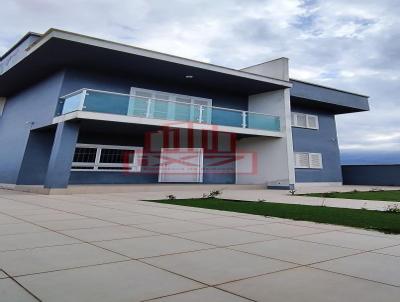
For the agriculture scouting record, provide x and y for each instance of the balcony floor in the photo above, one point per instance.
(94, 116)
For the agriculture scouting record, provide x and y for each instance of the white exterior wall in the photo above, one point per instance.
(278, 69)
(274, 156)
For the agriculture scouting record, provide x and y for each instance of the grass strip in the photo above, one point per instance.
(390, 195)
(375, 220)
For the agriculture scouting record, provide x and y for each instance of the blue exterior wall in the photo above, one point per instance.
(36, 104)
(76, 79)
(324, 141)
(147, 174)
(372, 175)
(36, 158)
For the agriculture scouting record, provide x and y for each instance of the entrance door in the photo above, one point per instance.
(181, 165)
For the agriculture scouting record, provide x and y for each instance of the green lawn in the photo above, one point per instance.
(369, 195)
(376, 220)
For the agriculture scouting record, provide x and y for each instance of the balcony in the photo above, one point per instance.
(152, 108)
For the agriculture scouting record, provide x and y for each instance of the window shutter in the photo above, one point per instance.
(301, 120)
(312, 121)
(315, 161)
(301, 160)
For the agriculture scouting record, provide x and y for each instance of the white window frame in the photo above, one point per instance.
(135, 166)
(295, 118)
(2, 105)
(172, 97)
(309, 165)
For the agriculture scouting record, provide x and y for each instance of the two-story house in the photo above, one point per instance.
(80, 110)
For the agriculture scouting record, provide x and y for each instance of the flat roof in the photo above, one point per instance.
(329, 87)
(19, 42)
(88, 40)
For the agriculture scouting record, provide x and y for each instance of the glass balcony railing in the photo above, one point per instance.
(125, 104)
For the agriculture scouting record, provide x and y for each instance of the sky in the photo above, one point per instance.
(348, 44)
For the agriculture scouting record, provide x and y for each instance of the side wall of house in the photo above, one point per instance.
(31, 107)
(324, 141)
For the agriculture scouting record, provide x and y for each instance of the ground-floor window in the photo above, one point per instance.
(88, 157)
(304, 160)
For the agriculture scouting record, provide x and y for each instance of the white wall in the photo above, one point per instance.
(274, 156)
(278, 69)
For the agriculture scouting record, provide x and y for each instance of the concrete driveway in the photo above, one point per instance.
(114, 247)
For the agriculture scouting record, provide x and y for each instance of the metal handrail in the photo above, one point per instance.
(155, 99)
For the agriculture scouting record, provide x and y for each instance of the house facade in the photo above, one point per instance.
(80, 110)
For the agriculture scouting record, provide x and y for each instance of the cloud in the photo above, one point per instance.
(353, 45)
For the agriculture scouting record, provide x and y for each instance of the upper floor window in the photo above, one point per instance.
(2, 105)
(165, 105)
(304, 160)
(305, 120)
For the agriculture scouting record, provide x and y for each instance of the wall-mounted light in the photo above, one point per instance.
(189, 76)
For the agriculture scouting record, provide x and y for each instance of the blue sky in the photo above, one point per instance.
(352, 45)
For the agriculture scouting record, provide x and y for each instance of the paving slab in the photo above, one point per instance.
(96, 212)
(306, 284)
(130, 281)
(176, 227)
(84, 223)
(201, 295)
(152, 246)
(19, 228)
(4, 219)
(31, 240)
(225, 237)
(371, 266)
(233, 221)
(23, 212)
(49, 217)
(39, 260)
(217, 265)
(371, 233)
(394, 250)
(10, 291)
(185, 214)
(281, 229)
(316, 225)
(351, 240)
(138, 219)
(295, 251)
(107, 233)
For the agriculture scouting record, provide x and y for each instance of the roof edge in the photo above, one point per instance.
(328, 87)
(19, 42)
(62, 34)
(258, 64)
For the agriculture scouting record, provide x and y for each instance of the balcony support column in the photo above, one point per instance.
(62, 153)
